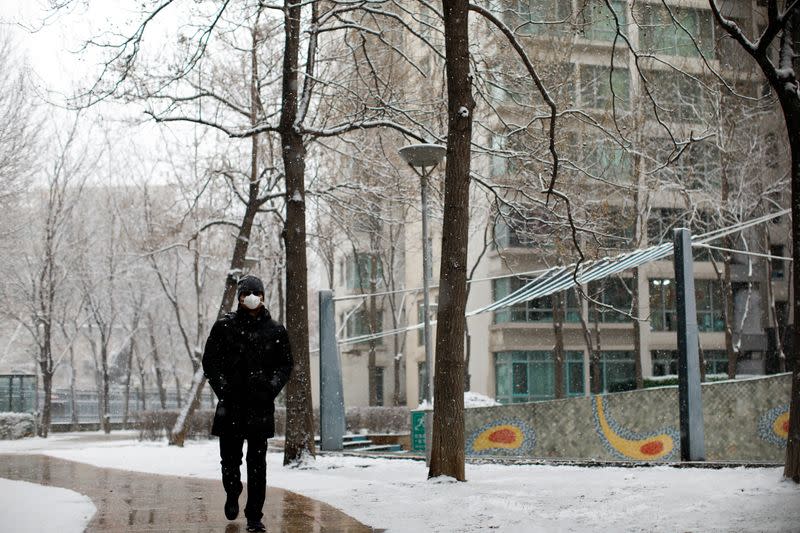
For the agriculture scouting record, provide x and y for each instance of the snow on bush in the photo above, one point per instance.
(17, 426)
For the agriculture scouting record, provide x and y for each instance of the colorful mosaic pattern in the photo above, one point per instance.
(624, 444)
(502, 437)
(773, 426)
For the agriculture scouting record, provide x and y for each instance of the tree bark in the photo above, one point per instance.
(791, 109)
(558, 350)
(447, 447)
(299, 413)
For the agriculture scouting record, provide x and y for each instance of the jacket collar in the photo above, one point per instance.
(244, 315)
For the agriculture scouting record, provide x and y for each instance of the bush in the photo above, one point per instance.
(156, 425)
(378, 419)
(17, 426)
(371, 419)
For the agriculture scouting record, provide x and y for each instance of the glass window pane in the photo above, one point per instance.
(520, 377)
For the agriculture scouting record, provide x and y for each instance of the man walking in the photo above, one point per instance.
(247, 361)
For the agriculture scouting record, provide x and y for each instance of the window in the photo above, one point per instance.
(422, 381)
(681, 98)
(778, 265)
(541, 17)
(523, 227)
(617, 371)
(357, 273)
(710, 305)
(537, 310)
(665, 362)
(616, 226)
(716, 361)
(659, 33)
(662, 222)
(526, 376)
(614, 292)
(358, 323)
(698, 167)
(599, 84)
(663, 310)
(600, 22)
(663, 315)
(607, 160)
(378, 370)
(421, 320)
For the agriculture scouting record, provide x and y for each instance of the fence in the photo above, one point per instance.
(18, 394)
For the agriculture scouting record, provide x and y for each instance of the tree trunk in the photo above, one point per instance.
(240, 247)
(637, 339)
(299, 413)
(372, 379)
(558, 349)
(105, 413)
(73, 402)
(47, 385)
(447, 447)
(727, 289)
(791, 109)
(127, 399)
(597, 378)
(162, 391)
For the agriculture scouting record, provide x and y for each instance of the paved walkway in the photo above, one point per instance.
(131, 501)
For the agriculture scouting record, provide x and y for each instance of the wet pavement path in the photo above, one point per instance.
(132, 501)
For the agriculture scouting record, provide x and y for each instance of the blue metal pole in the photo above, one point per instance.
(693, 446)
(331, 395)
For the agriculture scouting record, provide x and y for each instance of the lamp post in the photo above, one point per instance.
(423, 158)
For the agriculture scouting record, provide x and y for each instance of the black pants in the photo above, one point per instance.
(230, 451)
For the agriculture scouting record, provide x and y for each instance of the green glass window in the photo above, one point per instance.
(617, 371)
(681, 97)
(541, 17)
(614, 292)
(710, 304)
(663, 307)
(358, 323)
(600, 24)
(537, 310)
(526, 376)
(607, 160)
(671, 31)
(358, 270)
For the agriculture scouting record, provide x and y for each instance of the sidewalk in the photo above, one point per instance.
(130, 501)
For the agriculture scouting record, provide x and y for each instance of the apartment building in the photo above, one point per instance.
(647, 142)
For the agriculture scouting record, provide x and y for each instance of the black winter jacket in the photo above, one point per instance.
(247, 361)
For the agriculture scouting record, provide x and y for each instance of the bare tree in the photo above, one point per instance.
(780, 35)
(47, 264)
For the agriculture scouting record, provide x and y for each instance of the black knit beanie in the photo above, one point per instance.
(251, 284)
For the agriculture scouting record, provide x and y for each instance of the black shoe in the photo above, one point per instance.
(255, 525)
(232, 506)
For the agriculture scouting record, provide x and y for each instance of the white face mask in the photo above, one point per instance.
(251, 301)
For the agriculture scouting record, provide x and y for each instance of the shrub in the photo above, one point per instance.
(156, 425)
(17, 426)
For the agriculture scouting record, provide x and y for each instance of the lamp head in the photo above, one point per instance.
(423, 155)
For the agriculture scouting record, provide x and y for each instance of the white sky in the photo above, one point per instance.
(395, 494)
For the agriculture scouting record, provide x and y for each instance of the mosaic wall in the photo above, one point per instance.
(745, 420)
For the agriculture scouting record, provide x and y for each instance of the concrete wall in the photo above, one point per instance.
(745, 420)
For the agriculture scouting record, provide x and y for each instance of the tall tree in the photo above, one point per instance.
(782, 31)
(447, 447)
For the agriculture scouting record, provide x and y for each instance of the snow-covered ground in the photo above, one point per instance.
(395, 494)
(22, 503)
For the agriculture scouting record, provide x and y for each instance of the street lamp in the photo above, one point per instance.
(423, 158)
